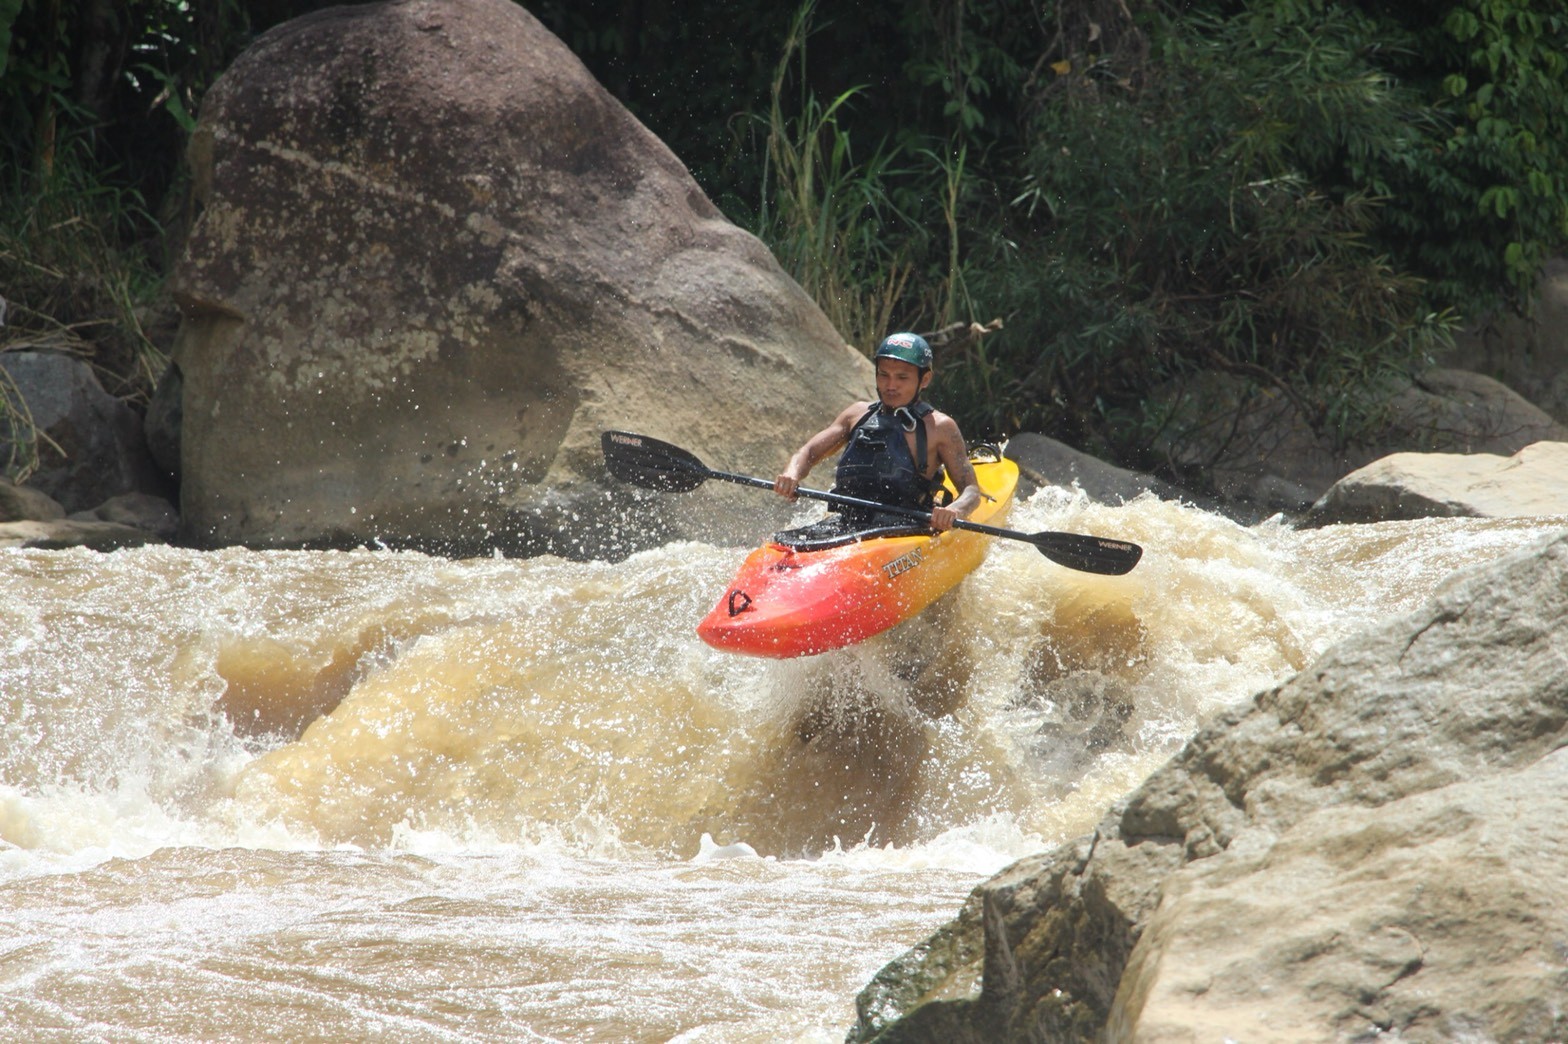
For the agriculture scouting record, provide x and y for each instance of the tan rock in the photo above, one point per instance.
(1371, 850)
(434, 260)
(1528, 353)
(63, 533)
(24, 503)
(1532, 482)
(1375, 920)
(140, 510)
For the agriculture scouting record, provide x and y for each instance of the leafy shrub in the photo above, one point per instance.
(1206, 206)
(1303, 194)
(1481, 201)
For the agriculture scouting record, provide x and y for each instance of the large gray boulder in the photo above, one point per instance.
(1373, 850)
(30, 518)
(1530, 483)
(1255, 447)
(433, 260)
(1250, 446)
(1457, 411)
(91, 446)
(1044, 461)
(143, 511)
(1528, 353)
(25, 504)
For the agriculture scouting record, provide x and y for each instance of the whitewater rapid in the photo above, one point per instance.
(332, 795)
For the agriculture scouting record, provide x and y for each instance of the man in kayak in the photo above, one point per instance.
(895, 448)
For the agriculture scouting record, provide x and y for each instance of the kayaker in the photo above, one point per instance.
(896, 447)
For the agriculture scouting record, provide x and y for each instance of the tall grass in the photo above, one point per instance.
(80, 262)
(18, 434)
(949, 291)
(828, 217)
(80, 248)
(1178, 230)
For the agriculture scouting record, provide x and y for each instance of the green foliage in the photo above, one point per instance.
(1303, 194)
(69, 259)
(18, 435)
(96, 100)
(1298, 193)
(9, 9)
(825, 215)
(969, 57)
(1173, 229)
(1482, 202)
(699, 77)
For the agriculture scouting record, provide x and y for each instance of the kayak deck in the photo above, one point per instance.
(813, 589)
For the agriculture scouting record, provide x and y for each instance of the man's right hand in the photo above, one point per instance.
(786, 485)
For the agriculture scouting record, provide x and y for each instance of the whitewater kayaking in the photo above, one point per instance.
(912, 514)
(828, 585)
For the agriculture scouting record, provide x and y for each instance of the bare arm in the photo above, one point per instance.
(954, 456)
(820, 446)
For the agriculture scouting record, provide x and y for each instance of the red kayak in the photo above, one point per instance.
(808, 591)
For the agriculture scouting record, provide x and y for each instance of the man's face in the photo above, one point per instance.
(899, 382)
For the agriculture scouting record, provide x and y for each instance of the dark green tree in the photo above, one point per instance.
(1297, 193)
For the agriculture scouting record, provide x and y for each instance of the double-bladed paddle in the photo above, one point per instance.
(656, 465)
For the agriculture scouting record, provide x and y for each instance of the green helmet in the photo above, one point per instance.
(908, 347)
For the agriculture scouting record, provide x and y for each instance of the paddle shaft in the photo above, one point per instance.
(840, 498)
(659, 465)
(1078, 548)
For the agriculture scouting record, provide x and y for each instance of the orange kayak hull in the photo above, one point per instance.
(785, 603)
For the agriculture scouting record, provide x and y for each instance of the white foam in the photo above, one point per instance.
(710, 851)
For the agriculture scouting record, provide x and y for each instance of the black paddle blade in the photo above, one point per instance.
(1089, 554)
(650, 463)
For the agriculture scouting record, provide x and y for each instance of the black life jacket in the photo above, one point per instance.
(876, 463)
